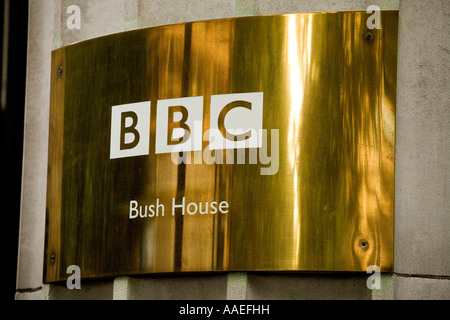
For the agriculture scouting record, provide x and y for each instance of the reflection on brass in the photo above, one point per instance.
(328, 90)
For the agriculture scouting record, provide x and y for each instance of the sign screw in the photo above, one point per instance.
(52, 258)
(364, 244)
(60, 70)
(368, 36)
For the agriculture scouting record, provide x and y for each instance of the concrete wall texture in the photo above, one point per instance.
(422, 208)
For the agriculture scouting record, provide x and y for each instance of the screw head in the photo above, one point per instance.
(60, 70)
(364, 244)
(368, 36)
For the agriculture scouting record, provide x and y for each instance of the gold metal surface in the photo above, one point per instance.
(328, 90)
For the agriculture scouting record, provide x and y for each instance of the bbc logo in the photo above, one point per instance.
(235, 122)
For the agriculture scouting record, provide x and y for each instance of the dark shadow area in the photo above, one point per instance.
(14, 32)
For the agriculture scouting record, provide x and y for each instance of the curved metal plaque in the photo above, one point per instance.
(144, 130)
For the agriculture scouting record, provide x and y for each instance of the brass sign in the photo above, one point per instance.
(247, 144)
